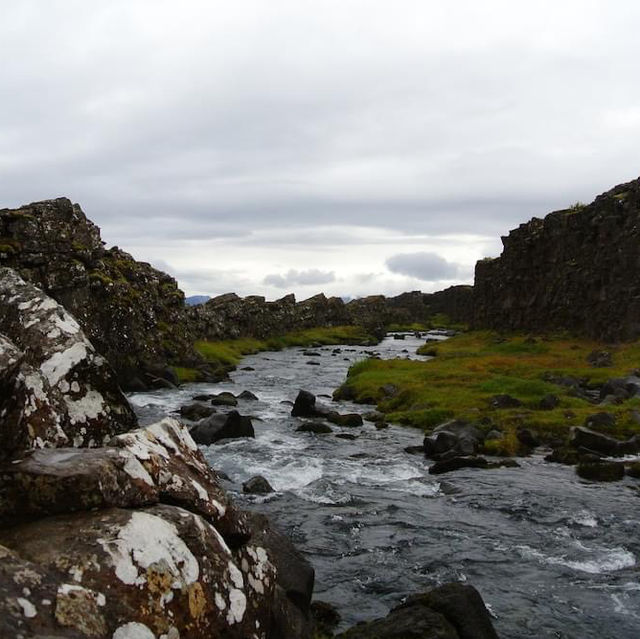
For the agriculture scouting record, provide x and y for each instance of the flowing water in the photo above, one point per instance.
(551, 554)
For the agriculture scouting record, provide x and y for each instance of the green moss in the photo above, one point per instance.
(229, 352)
(472, 367)
(186, 375)
(100, 276)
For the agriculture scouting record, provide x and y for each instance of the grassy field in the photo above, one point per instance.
(471, 368)
(224, 356)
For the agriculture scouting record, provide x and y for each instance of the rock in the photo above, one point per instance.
(504, 401)
(305, 405)
(224, 399)
(349, 419)
(451, 611)
(604, 471)
(414, 450)
(633, 470)
(603, 444)
(203, 398)
(456, 463)
(247, 368)
(319, 428)
(134, 315)
(398, 336)
(528, 438)
(494, 434)
(217, 427)
(326, 618)
(257, 485)
(563, 455)
(600, 420)
(125, 571)
(373, 416)
(312, 363)
(348, 436)
(600, 359)
(549, 402)
(248, 396)
(455, 436)
(194, 412)
(58, 390)
(311, 354)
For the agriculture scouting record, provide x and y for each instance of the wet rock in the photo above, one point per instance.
(312, 363)
(456, 463)
(161, 569)
(224, 399)
(247, 368)
(451, 611)
(257, 485)
(603, 444)
(305, 405)
(325, 618)
(504, 401)
(600, 420)
(203, 398)
(399, 336)
(248, 396)
(311, 354)
(217, 427)
(348, 436)
(58, 390)
(528, 438)
(549, 402)
(414, 450)
(194, 412)
(633, 470)
(348, 419)
(319, 428)
(494, 434)
(600, 359)
(563, 455)
(603, 471)
(455, 436)
(63, 480)
(373, 416)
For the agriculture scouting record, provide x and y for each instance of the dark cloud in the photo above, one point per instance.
(299, 278)
(428, 267)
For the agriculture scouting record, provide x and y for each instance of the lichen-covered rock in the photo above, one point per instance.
(65, 480)
(182, 476)
(160, 571)
(132, 313)
(63, 392)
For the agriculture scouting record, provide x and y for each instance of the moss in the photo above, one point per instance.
(99, 276)
(186, 375)
(472, 367)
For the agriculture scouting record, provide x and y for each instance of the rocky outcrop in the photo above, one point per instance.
(574, 269)
(133, 314)
(57, 391)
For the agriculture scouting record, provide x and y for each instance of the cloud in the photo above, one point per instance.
(429, 267)
(299, 278)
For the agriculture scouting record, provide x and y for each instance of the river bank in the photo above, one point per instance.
(552, 555)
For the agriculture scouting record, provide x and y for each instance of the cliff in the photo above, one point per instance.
(576, 269)
(133, 314)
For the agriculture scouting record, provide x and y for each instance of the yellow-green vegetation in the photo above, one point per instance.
(186, 375)
(438, 320)
(471, 368)
(228, 353)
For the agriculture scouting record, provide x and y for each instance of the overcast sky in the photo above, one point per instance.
(347, 146)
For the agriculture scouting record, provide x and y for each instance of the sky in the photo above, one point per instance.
(353, 147)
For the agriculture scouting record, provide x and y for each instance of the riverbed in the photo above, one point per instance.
(552, 555)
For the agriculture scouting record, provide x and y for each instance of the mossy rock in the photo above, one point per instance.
(601, 471)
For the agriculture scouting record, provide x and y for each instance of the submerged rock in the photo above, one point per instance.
(456, 463)
(601, 471)
(224, 399)
(319, 428)
(257, 485)
(195, 411)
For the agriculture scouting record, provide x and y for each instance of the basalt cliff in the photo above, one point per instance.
(576, 270)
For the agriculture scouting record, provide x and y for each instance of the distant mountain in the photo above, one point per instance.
(194, 300)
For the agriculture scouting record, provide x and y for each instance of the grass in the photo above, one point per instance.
(471, 368)
(186, 375)
(228, 353)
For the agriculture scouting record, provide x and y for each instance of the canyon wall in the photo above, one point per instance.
(576, 270)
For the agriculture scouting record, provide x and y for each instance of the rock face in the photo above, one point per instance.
(57, 391)
(573, 269)
(133, 314)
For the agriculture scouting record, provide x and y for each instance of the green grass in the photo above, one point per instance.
(228, 353)
(470, 368)
(186, 375)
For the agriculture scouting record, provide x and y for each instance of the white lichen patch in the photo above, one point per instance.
(134, 468)
(220, 602)
(171, 433)
(60, 363)
(147, 540)
(87, 408)
(237, 606)
(28, 609)
(133, 630)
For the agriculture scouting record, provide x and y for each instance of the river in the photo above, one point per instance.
(552, 555)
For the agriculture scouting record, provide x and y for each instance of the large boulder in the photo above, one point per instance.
(60, 392)
(222, 426)
(157, 571)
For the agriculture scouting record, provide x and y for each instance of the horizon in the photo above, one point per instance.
(352, 148)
